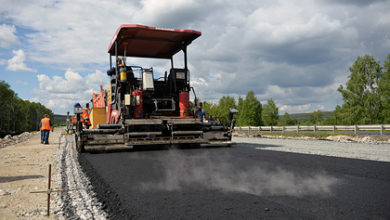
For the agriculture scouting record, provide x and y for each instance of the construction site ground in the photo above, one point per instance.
(24, 169)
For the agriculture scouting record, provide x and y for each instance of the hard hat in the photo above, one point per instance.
(77, 104)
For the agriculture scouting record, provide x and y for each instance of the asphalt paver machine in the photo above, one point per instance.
(143, 107)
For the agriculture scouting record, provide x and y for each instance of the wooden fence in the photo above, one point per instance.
(314, 128)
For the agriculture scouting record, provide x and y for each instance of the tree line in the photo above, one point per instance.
(19, 115)
(366, 98)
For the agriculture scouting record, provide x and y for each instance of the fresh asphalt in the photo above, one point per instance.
(242, 182)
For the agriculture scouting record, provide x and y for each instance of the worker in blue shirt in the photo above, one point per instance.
(200, 113)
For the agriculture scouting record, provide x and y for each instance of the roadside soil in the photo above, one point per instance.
(24, 169)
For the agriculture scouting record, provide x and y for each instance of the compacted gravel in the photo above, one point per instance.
(366, 151)
(247, 181)
(77, 198)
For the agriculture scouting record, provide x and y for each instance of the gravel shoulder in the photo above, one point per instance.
(365, 151)
(23, 169)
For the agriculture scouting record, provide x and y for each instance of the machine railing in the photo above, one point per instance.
(315, 128)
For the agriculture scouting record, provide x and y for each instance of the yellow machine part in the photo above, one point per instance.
(123, 76)
(97, 116)
(109, 94)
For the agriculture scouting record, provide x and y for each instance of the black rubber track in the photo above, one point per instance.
(136, 181)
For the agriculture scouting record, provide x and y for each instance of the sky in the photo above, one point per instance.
(296, 52)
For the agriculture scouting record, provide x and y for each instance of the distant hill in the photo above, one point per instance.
(59, 120)
(305, 116)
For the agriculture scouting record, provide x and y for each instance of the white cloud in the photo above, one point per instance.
(8, 36)
(295, 108)
(60, 92)
(287, 22)
(199, 82)
(296, 52)
(320, 107)
(17, 64)
(174, 13)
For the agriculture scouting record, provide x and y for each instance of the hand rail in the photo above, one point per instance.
(355, 128)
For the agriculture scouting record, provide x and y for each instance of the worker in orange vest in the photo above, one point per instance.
(45, 127)
(84, 116)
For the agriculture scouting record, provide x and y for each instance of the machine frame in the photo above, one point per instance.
(161, 120)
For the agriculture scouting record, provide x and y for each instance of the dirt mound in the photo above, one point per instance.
(11, 140)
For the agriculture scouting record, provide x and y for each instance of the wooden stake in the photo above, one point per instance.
(48, 192)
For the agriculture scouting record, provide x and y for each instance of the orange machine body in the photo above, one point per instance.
(184, 104)
(138, 109)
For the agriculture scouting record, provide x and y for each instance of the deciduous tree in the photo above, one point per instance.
(315, 117)
(286, 120)
(361, 100)
(270, 113)
(225, 103)
(19, 115)
(251, 111)
(384, 91)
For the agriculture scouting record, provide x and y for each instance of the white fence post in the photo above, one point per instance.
(270, 129)
(297, 128)
(381, 131)
(355, 129)
(314, 129)
(282, 129)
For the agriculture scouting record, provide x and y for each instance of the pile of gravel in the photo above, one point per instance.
(358, 139)
(11, 140)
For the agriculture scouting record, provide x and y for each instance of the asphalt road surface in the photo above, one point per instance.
(241, 183)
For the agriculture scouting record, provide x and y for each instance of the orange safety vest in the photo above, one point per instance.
(45, 124)
(85, 115)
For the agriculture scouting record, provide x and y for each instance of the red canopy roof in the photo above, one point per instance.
(145, 41)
